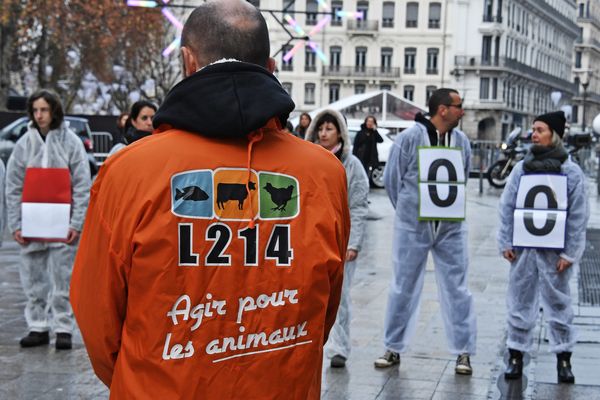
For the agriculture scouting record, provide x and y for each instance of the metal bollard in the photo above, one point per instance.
(480, 169)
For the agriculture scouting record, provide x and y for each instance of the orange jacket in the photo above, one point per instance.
(174, 295)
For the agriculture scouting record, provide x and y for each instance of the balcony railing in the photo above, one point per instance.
(360, 71)
(503, 63)
(310, 68)
(434, 24)
(363, 25)
(409, 71)
(287, 67)
(492, 18)
(432, 71)
(588, 42)
(387, 23)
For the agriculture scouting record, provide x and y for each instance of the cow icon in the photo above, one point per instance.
(233, 191)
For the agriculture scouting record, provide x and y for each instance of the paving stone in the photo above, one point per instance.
(427, 369)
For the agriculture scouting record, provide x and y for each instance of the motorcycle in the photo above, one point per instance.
(513, 151)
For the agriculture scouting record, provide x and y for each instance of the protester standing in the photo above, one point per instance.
(329, 130)
(2, 202)
(543, 271)
(138, 124)
(211, 263)
(47, 187)
(415, 235)
(302, 126)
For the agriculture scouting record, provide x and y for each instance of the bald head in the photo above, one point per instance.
(226, 29)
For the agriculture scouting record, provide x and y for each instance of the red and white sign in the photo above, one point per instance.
(46, 204)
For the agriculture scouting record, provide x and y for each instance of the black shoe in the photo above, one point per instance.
(463, 365)
(563, 367)
(514, 369)
(34, 339)
(338, 361)
(63, 341)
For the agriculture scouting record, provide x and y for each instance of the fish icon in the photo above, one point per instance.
(193, 193)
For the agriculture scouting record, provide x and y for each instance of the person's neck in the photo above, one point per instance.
(44, 131)
(441, 127)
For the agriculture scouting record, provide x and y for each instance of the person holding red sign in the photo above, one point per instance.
(543, 271)
(47, 192)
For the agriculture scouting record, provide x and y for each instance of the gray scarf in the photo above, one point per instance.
(544, 159)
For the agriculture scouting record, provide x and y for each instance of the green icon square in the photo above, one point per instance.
(279, 196)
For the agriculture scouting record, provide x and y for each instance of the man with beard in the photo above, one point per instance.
(415, 233)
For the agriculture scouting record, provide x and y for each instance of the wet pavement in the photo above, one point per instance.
(426, 370)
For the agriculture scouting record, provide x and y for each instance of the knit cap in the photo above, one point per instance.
(555, 120)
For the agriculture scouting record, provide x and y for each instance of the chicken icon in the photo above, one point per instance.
(279, 196)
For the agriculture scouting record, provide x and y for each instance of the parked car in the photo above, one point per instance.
(13, 131)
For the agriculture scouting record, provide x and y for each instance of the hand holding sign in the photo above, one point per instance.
(509, 255)
(563, 265)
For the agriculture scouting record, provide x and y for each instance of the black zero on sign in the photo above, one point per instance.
(530, 203)
(452, 177)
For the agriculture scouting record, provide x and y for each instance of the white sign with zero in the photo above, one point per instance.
(541, 211)
(441, 184)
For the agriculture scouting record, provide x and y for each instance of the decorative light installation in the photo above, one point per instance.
(168, 15)
(316, 29)
(314, 46)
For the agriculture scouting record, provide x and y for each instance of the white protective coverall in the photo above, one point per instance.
(358, 191)
(533, 274)
(46, 266)
(413, 239)
(2, 201)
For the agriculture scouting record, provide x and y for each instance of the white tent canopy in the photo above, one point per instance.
(389, 108)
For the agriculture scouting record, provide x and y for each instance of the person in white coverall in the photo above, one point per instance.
(542, 272)
(329, 130)
(414, 238)
(2, 202)
(46, 265)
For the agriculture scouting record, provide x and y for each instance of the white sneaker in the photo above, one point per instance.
(387, 360)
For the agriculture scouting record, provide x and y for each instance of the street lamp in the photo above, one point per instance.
(584, 85)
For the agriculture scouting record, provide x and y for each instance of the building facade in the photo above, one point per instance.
(586, 64)
(513, 61)
(506, 57)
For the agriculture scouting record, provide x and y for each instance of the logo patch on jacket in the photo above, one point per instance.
(228, 194)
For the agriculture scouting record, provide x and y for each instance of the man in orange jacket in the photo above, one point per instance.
(211, 262)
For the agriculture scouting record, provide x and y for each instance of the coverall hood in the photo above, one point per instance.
(312, 132)
(226, 100)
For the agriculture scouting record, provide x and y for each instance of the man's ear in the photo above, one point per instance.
(190, 63)
(271, 64)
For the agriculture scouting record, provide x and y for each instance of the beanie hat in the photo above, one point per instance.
(555, 120)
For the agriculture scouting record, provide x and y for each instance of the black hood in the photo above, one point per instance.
(431, 129)
(227, 100)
